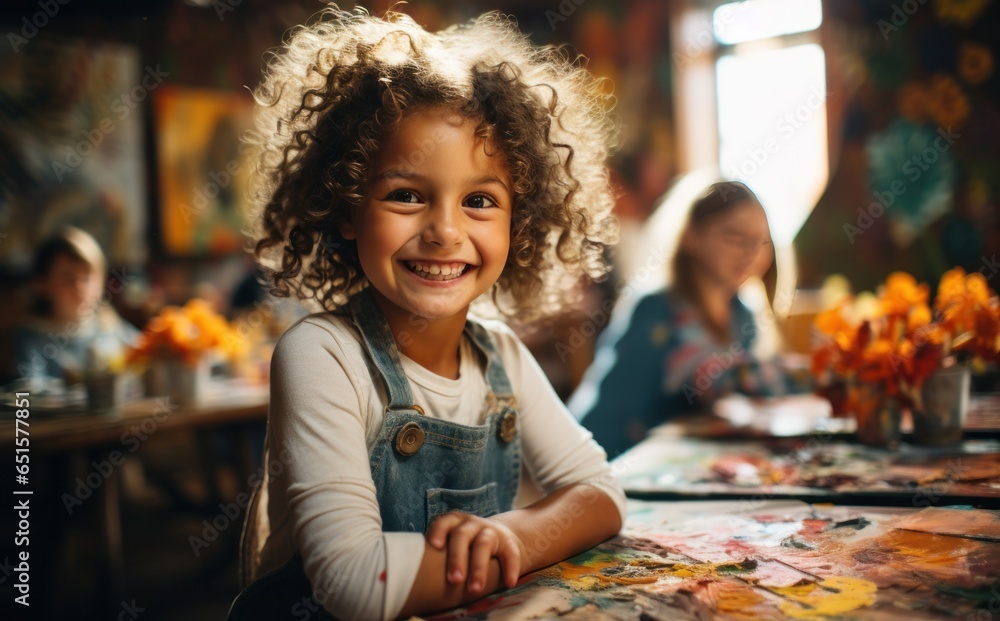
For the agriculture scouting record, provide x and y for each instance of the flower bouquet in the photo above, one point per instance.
(896, 351)
(179, 345)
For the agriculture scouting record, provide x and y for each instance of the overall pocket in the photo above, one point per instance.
(481, 501)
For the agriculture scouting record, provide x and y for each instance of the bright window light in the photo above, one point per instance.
(772, 130)
(750, 20)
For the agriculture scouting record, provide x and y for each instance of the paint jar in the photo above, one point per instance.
(941, 417)
(105, 393)
(878, 415)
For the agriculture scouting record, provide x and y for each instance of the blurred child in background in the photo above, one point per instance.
(70, 329)
(681, 347)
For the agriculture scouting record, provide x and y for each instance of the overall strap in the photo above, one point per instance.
(496, 375)
(381, 347)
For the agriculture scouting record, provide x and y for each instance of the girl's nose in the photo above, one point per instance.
(444, 226)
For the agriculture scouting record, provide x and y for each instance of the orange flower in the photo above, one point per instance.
(948, 105)
(979, 291)
(919, 316)
(968, 313)
(833, 321)
(931, 334)
(905, 339)
(900, 294)
(189, 332)
(952, 286)
(878, 361)
(960, 297)
(987, 340)
(975, 63)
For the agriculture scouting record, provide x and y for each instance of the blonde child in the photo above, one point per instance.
(403, 176)
(69, 322)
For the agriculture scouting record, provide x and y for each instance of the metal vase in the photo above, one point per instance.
(945, 396)
(185, 384)
(878, 415)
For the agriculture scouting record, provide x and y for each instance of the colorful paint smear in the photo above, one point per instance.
(814, 467)
(775, 560)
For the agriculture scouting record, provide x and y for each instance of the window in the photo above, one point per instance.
(771, 103)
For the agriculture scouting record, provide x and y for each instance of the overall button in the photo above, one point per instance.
(508, 426)
(409, 439)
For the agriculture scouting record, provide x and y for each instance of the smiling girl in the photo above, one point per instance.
(405, 175)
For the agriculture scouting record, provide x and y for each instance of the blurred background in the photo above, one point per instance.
(870, 131)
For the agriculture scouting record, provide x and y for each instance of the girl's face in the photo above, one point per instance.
(73, 287)
(730, 248)
(433, 229)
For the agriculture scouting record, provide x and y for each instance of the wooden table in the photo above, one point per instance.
(226, 403)
(107, 439)
(775, 560)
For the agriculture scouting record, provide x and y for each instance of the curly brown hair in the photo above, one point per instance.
(340, 84)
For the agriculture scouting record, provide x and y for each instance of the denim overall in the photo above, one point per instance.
(422, 467)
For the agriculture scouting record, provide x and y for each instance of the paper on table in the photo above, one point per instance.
(793, 415)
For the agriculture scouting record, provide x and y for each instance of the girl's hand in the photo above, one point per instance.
(472, 541)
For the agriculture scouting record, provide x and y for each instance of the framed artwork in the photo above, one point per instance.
(71, 146)
(202, 169)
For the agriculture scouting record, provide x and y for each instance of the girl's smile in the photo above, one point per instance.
(433, 229)
(438, 272)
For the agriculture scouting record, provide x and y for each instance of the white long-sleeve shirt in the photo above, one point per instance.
(326, 412)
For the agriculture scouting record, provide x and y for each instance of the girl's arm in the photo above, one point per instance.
(548, 531)
(702, 371)
(322, 500)
(564, 523)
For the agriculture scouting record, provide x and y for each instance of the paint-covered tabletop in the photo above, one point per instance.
(816, 469)
(768, 560)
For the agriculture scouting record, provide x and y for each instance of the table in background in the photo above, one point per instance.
(769, 560)
(984, 414)
(812, 469)
(63, 430)
(799, 415)
(710, 457)
(56, 435)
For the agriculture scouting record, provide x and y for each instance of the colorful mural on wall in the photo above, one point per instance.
(915, 183)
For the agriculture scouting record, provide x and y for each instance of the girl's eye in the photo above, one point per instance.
(480, 201)
(403, 196)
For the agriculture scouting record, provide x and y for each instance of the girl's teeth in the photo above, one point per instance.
(436, 272)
